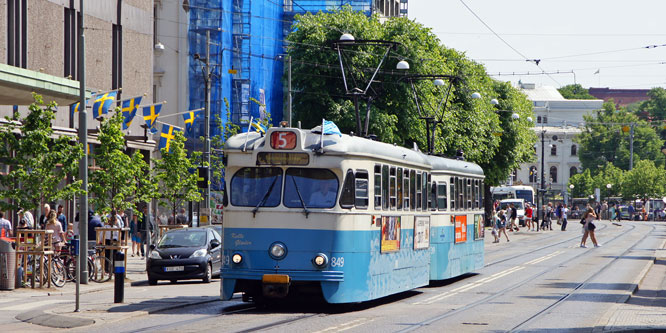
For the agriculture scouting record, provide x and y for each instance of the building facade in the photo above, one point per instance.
(557, 123)
(39, 53)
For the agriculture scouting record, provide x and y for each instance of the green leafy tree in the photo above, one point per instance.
(583, 184)
(175, 176)
(469, 125)
(224, 130)
(644, 181)
(612, 175)
(38, 164)
(605, 138)
(119, 181)
(575, 91)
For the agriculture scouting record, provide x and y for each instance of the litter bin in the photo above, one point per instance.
(7, 265)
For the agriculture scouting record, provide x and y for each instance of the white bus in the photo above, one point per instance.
(513, 192)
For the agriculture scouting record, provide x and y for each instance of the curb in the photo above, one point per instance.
(47, 319)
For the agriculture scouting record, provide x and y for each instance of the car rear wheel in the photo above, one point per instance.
(209, 273)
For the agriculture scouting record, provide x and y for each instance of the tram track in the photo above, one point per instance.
(581, 285)
(517, 285)
(604, 226)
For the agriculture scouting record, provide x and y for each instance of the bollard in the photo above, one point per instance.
(119, 277)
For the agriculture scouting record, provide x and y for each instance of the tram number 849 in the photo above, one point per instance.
(338, 262)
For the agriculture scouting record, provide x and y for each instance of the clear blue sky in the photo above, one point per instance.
(558, 33)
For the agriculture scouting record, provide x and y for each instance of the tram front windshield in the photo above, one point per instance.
(316, 188)
(256, 187)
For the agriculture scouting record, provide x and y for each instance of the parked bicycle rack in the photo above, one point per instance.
(39, 245)
(119, 241)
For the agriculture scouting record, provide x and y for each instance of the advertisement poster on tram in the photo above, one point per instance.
(461, 228)
(479, 231)
(390, 241)
(421, 232)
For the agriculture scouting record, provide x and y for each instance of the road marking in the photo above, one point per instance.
(7, 300)
(346, 326)
(32, 305)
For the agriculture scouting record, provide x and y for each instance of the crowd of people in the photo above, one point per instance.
(506, 219)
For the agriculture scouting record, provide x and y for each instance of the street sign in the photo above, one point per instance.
(202, 177)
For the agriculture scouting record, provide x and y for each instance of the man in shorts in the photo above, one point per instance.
(513, 216)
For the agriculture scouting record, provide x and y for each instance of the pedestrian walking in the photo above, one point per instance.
(528, 216)
(94, 221)
(62, 218)
(588, 228)
(136, 236)
(26, 221)
(535, 217)
(513, 217)
(146, 223)
(549, 216)
(558, 213)
(564, 213)
(44, 218)
(495, 230)
(501, 225)
(181, 218)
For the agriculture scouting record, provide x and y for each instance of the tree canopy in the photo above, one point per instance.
(575, 91)
(469, 125)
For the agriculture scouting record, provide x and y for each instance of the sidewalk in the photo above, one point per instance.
(99, 308)
(645, 307)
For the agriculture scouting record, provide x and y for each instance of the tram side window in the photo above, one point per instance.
(476, 194)
(426, 190)
(348, 191)
(378, 187)
(432, 199)
(412, 188)
(256, 187)
(405, 185)
(469, 193)
(419, 189)
(481, 192)
(441, 196)
(392, 187)
(385, 187)
(400, 194)
(361, 200)
(452, 188)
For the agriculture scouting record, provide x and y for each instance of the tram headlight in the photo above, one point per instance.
(237, 258)
(320, 260)
(277, 251)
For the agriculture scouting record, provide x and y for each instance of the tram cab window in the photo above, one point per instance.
(419, 191)
(378, 187)
(452, 187)
(400, 194)
(476, 194)
(317, 188)
(441, 196)
(348, 190)
(426, 190)
(252, 187)
(392, 188)
(481, 192)
(385, 187)
(412, 189)
(361, 192)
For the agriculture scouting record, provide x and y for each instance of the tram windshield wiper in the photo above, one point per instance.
(263, 200)
(300, 197)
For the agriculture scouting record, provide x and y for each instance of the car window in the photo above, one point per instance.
(217, 235)
(183, 239)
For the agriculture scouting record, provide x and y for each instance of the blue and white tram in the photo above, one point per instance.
(350, 218)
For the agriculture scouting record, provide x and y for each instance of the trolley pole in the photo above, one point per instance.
(83, 164)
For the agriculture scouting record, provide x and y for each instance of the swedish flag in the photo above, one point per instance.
(103, 102)
(150, 114)
(258, 126)
(74, 108)
(190, 117)
(168, 134)
(128, 108)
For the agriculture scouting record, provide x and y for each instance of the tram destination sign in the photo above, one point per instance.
(265, 158)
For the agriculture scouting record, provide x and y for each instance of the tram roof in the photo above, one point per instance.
(334, 144)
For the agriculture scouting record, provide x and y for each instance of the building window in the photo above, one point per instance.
(553, 174)
(545, 119)
(538, 119)
(71, 35)
(573, 171)
(574, 150)
(17, 33)
(553, 150)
